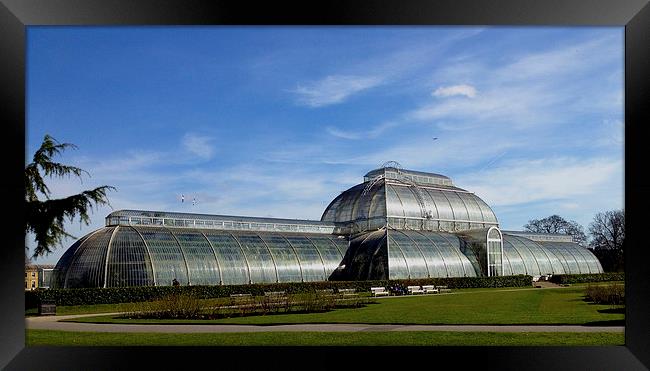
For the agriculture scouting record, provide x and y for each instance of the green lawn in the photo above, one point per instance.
(478, 306)
(425, 338)
(111, 308)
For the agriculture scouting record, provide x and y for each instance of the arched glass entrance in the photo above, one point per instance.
(494, 252)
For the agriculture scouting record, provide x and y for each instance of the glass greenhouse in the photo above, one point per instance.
(396, 224)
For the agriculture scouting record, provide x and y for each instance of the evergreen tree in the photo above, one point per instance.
(45, 218)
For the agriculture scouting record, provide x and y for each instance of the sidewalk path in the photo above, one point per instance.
(52, 323)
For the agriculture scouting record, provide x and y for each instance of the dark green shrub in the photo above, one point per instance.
(613, 294)
(586, 278)
(174, 305)
(186, 306)
(113, 295)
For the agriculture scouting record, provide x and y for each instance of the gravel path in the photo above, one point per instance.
(52, 323)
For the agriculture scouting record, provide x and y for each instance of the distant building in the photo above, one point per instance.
(397, 224)
(38, 276)
(31, 277)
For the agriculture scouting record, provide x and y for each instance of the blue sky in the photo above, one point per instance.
(277, 121)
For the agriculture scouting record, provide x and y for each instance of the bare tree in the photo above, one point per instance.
(607, 238)
(557, 224)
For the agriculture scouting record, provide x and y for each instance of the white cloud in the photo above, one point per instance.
(563, 61)
(334, 89)
(533, 89)
(199, 145)
(551, 179)
(365, 134)
(342, 134)
(448, 91)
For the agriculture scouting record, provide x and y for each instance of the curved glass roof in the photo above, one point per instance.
(525, 256)
(399, 254)
(417, 254)
(399, 204)
(153, 256)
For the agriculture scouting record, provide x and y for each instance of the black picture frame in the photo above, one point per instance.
(16, 15)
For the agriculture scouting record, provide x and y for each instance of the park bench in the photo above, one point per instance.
(274, 293)
(348, 292)
(47, 308)
(415, 290)
(430, 289)
(327, 292)
(379, 291)
(443, 289)
(536, 278)
(240, 295)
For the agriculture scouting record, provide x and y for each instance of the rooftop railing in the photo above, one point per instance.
(419, 178)
(217, 224)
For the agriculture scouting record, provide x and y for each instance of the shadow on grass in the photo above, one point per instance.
(612, 310)
(613, 322)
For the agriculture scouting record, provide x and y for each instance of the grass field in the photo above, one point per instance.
(424, 338)
(478, 306)
(468, 306)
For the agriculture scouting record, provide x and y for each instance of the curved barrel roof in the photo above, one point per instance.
(146, 256)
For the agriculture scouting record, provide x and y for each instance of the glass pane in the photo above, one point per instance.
(453, 245)
(166, 255)
(63, 265)
(431, 253)
(260, 261)
(514, 258)
(128, 260)
(488, 214)
(200, 258)
(450, 257)
(309, 257)
(378, 205)
(331, 255)
(393, 203)
(474, 210)
(397, 268)
(234, 270)
(284, 257)
(530, 263)
(541, 257)
(414, 259)
(443, 207)
(87, 266)
(407, 197)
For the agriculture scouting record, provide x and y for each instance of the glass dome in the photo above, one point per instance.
(409, 200)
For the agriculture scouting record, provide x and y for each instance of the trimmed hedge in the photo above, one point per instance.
(113, 295)
(586, 278)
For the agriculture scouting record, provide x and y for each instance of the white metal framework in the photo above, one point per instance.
(494, 252)
(397, 224)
